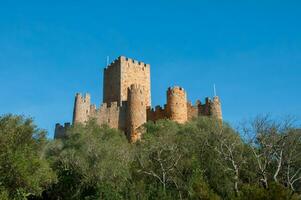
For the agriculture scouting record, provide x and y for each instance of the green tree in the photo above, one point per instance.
(291, 169)
(158, 155)
(23, 170)
(207, 138)
(91, 162)
(167, 160)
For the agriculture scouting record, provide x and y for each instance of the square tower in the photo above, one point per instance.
(120, 75)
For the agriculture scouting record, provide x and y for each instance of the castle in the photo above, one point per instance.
(127, 101)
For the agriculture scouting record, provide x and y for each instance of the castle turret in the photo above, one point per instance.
(60, 130)
(136, 112)
(215, 108)
(177, 104)
(82, 108)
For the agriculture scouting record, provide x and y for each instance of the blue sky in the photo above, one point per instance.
(251, 50)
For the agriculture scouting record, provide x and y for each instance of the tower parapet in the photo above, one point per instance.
(177, 104)
(136, 112)
(136, 62)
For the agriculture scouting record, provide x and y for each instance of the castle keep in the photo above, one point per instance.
(127, 101)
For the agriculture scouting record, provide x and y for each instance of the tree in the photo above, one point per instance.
(276, 149)
(159, 153)
(91, 162)
(292, 159)
(230, 149)
(209, 139)
(201, 159)
(23, 170)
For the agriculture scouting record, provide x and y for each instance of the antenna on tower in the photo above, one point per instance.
(108, 60)
(214, 89)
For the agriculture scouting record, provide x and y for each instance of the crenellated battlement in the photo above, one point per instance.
(114, 63)
(216, 99)
(130, 61)
(133, 61)
(176, 91)
(83, 98)
(207, 101)
(136, 88)
(112, 105)
(175, 88)
(159, 108)
(154, 114)
(66, 125)
(211, 107)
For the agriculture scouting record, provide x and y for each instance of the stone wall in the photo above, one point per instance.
(112, 114)
(192, 111)
(204, 109)
(137, 73)
(111, 82)
(156, 114)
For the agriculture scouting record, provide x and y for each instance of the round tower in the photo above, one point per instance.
(177, 104)
(136, 112)
(81, 110)
(216, 109)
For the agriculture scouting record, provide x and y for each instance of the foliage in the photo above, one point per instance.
(201, 159)
(23, 170)
(90, 161)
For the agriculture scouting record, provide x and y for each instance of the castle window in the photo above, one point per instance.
(87, 111)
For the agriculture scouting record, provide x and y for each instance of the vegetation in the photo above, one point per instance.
(201, 159)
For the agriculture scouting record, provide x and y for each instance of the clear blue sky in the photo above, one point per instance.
(251, 50)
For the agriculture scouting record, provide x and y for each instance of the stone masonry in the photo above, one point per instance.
(127, 101)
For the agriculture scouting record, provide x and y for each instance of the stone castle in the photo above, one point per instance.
(127, 101)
